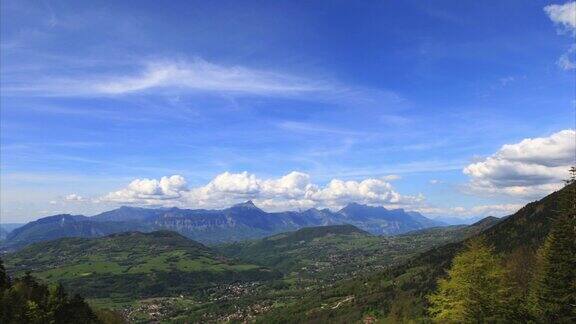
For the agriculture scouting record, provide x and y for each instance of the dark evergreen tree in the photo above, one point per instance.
(4, 278)
(28, 301)
(554, 291)
(75, 310)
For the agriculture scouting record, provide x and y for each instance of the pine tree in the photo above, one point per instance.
(554, 291)
(553, 295)
(473, 291)
(75, 310)
(567, 201)
(27, 300)
(4, 278)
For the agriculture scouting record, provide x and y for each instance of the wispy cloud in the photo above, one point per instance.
(312, 128)
(564, 16)
(566, 60)
(195, 76)
(199, 75)
(497, 210)
(181, 77)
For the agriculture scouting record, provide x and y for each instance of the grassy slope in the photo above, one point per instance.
(401, 290)
(132, 265)
(337, 252)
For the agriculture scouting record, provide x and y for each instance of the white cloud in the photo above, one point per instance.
(563, 15)
(566, 60)
(289, 192)
(149, 191)
(391, 177)
(309, 128)
(494, 210)
(497, 210)
(200, 75)
(528, 169)
(171, 77)
(74, 197)
(163, 76)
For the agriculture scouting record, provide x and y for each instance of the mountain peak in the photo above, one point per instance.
(357, 206)
(246, 204)
(488, 220)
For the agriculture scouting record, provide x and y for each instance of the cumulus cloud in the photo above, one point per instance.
(289, 192)
(530, 169)
(149, 191)
(563, 15)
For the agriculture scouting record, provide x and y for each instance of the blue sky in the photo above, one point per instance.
(294, 104)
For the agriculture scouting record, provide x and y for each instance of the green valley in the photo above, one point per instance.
(133, 265)
(336, 273)
(332, 253)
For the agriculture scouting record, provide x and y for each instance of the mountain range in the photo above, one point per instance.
(192, 282)
(239, 222)
(330, 273)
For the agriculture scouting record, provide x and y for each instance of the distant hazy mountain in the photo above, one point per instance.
(64, 225)
(459, 220)
(379, 220)
(6, 228)
(9, 227)
(239, 222)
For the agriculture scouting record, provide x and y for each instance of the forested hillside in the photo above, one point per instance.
(334, 253)
(133, 265)
(401, 293)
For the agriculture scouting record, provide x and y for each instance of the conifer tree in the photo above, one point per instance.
(554, 295)
(473, 291)
(4, 279)
(27, 300)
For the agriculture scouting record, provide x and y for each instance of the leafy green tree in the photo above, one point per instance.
(34, 314)
(474, 289)
(554, 289)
